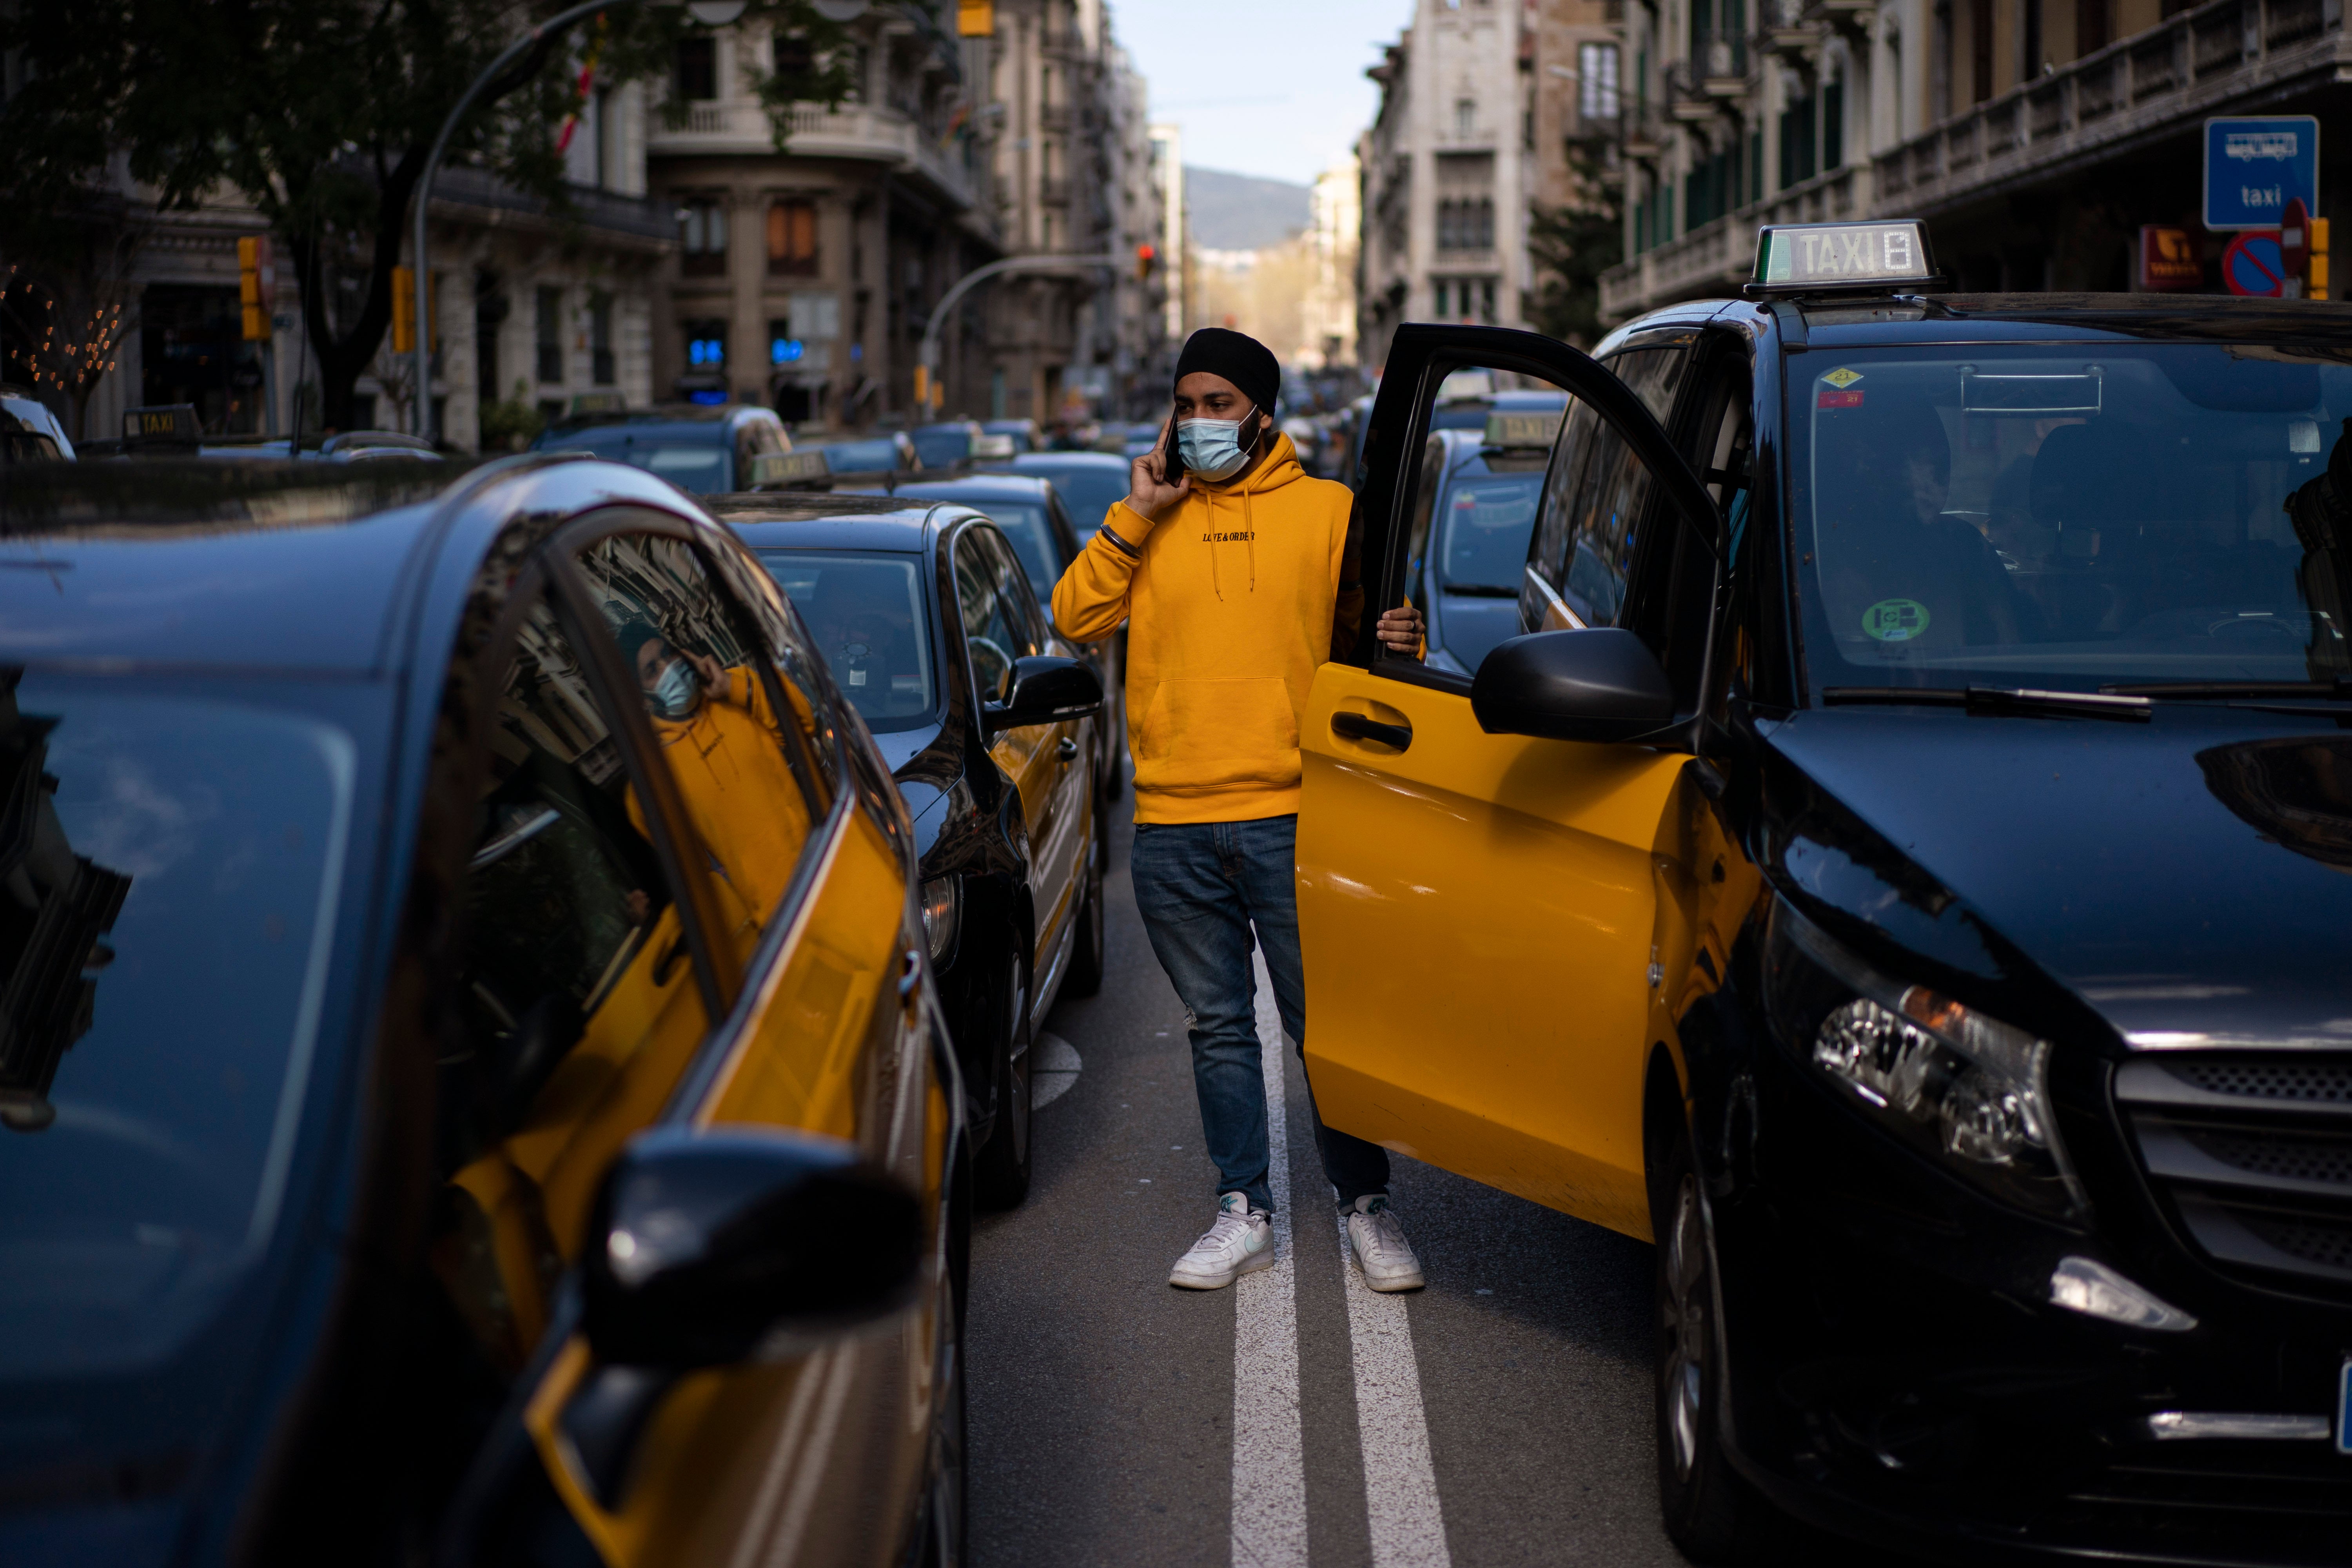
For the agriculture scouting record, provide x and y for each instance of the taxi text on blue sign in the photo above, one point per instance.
(2254, 167)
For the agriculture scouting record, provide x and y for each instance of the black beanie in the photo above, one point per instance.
(1239, 359)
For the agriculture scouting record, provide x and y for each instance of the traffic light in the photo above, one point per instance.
(257, 280)
(2317, 287)
(1147, 261)
(403, 310)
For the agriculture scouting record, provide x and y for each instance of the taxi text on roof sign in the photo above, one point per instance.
(1807, 258)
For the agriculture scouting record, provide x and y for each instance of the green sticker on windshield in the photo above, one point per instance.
(1896, 620)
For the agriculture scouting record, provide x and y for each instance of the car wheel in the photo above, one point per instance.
(1706, 1505)
(1000, 1174)
(1085, 977)
(940, 1533)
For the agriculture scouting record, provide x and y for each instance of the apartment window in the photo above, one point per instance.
(548, 333)
(1465, 225)
(1939, 64)
(702, 236)
(2030, 50)
(792, 239)
(1833, 124)
(1979, 50)
(2093, 26)
(706, 346)
(1465, 117)
(600, 339)
(1596, 82)
(695, 74)
(1462, 298)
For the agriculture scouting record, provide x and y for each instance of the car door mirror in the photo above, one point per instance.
(703, 1246)
(1600, 684)
(1045, 690)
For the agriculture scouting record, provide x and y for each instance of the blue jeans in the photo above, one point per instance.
(1201, 888)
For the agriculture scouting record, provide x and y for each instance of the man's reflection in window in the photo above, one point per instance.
(56, 906)
(2322, 512)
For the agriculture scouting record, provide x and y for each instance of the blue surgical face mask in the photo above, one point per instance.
(674, 696)
(1212, 447)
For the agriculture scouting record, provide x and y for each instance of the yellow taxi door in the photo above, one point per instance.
(1485, 916)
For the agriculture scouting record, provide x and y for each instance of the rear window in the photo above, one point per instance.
(164, 937)
(699, 467)
(1487, 520)
(942, 448)
(1087, 491)
(862, 456)
(865, 614)
(2071, 515)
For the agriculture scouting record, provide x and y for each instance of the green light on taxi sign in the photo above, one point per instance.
(1809, 259)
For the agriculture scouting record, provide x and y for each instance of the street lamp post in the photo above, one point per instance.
(710, 13)
(926, 354)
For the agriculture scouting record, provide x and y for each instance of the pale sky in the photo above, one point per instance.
(1261, 87)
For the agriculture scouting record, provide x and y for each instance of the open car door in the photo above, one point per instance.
(1485, 916)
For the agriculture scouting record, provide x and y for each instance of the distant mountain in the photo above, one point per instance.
(1241, 212)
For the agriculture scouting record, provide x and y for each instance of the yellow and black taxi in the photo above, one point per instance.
(1902, 870)
(989, 724)
(471, 1086)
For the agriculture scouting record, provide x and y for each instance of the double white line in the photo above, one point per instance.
(1269, 1510)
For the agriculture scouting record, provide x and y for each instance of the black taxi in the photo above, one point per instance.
(472, 1086)
(1901, 868)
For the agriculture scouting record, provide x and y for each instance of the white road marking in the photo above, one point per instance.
(1055, 1072)
(1408, 1528)
(1269, 1465)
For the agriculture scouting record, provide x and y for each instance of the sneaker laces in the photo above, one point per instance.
(1386, 1232)
(1223, 1228)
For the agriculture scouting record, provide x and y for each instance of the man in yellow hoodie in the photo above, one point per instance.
(1229, 576)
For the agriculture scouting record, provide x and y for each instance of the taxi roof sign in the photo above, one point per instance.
(1537, 429)
(1826, 258)
(162, 424)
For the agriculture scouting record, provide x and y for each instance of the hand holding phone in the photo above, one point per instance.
(1156, 481)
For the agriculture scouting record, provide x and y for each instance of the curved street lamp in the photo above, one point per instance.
(710, 13)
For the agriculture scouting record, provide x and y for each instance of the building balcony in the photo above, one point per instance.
(1852, 17)
(1053, 191)
(742, 127)
(2228, 55)
(1689, 101)
(2225, 56)
(1459, 138)
(1054, 117)
(635, 223)
(1719, 63)
(1784, 32)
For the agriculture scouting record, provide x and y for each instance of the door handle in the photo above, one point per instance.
(1067, 750)
(1359, 727)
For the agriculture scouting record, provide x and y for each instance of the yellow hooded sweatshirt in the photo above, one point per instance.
(1229, 600)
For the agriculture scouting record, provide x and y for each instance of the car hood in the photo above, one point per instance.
(2188, 879)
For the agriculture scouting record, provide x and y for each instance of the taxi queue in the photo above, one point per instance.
(483, 1080)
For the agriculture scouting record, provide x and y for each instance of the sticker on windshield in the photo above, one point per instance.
(1842, 378)
(1894, 620)
(1839, 400)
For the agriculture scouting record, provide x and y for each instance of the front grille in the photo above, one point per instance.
(2212, 1502)
(2253, 1153)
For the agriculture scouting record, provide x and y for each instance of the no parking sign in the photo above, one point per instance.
(2254, 265)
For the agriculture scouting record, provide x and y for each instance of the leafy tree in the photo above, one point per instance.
(1573, 244)
(320, 113)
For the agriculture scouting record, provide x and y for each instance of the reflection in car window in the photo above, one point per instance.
(1088, 491)
(572, 946)
(990, 630)
(862, 456)
(715, 716)
(1025, 524)
(1487, 520)
(164, 934)
(699, 467)
(2149, 512)
(865, 613)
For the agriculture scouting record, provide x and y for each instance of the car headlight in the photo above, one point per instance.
(1970, 1092)
(943, 906)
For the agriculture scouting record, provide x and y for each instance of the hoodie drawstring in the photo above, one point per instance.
(1209, 498)
(1249, 532)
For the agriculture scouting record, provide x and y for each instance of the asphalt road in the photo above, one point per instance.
(1502, 1416)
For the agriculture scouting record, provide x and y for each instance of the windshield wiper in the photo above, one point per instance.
(2336, 690)
(1997, 700)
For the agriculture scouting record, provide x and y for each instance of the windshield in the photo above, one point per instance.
(164, 937)
(2071, 517)
(1487, 518)
(1089, 490)
(865, 613)
(943, 449)
(699, 467)
(862, 456)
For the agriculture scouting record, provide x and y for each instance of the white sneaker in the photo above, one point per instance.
(1241, 1242)
(1377, 1238)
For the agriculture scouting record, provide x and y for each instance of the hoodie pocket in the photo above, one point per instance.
(1213, 734)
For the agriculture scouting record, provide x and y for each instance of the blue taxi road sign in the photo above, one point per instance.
(2254, 167)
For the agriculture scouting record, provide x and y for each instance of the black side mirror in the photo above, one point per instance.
(1046, 690)
(1600, 684)
(703, 1245)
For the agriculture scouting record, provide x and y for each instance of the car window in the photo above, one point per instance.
(1483, 523)
(865, 614)
(698, 464)
(1024, 523)
(1089, 491)
(799, 668)
(942, 448)
(990, 629)
(173, 899)
(1022, 607)
(878, 457)
(720, 721)
(570, 946)
(1595, 493)
(2025, 515)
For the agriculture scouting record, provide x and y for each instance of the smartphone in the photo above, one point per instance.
(1171, 456)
